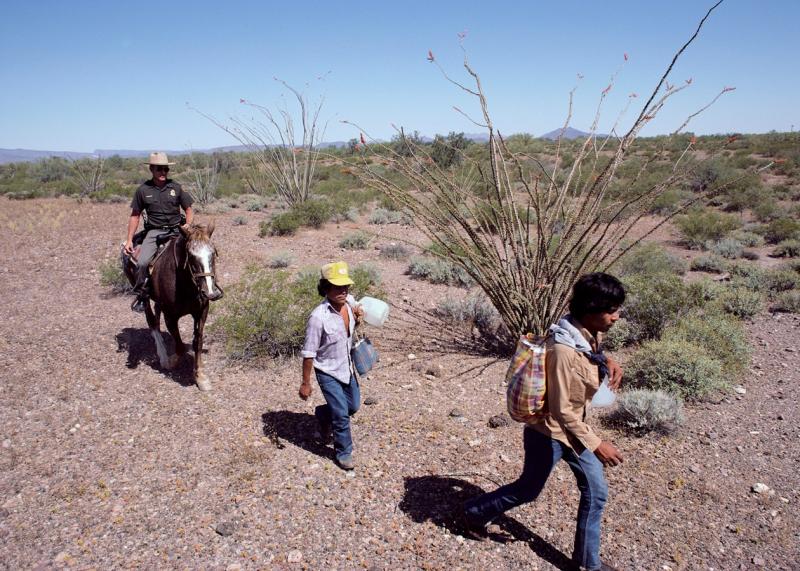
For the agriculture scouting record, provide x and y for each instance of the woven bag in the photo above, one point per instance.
(525, 395)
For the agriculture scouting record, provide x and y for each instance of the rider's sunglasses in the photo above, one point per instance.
(161, 169)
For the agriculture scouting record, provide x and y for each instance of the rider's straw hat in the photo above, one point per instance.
(158, 159)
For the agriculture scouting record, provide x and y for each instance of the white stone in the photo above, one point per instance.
(294, 556)
(760, 488)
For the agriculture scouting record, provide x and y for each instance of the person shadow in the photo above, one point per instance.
(299, 428)
(141, 348)
(439, 499)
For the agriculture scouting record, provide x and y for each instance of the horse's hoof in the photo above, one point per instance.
(203, 383)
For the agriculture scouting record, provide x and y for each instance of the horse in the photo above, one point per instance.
(182, 282)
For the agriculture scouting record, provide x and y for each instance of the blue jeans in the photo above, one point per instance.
(342, 403)
(541, 455)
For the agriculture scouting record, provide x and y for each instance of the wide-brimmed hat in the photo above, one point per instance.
(158, 159)
(336, 273)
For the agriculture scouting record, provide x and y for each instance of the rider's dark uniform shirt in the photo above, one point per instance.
(163, 205)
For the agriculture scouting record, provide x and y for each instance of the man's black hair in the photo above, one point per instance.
(323, 286)
(596, 293)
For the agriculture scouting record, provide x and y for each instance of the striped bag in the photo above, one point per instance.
(526, 379)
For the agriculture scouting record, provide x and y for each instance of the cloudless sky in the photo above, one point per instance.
(84, 75)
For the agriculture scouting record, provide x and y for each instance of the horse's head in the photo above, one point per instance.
(201, 257)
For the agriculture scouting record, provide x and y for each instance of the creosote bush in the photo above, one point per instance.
(748, 239)
(786, 249)
(721, 335)
(740, 301)
(782, 229)
(701, 226)
(618, 336)
(650, 258)
(653, 302)
(355, 241)
(643, 411)
(678, 367)
(712, 264)
(727, 248)
(787, 302)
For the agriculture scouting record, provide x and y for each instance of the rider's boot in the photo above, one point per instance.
(141, 291)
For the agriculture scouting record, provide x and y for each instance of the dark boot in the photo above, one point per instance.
(140, 289)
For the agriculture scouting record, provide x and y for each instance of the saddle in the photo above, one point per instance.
(161, 242)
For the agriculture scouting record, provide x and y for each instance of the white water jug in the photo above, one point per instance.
(375, 310)
(604, 396)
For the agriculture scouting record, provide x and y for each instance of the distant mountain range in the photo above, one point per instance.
(28, 155)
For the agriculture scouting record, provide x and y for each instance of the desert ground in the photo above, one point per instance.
(109, 462)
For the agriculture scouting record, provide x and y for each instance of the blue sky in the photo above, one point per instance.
(84, 75)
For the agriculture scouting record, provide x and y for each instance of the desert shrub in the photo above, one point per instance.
(255, 205)
(727, 248)
(475, 310)
(313, 213)
(702, 291)
(438, 271)
(767, 209)
(748, 239)
(650, 258)
(750, 255)
(280, 260)
(284, 224)
(709, 263)
(741, 301)
(721, 335)
(642, 411)
(787, 249)
(383, 216)
(355, 241)
(701, 226)
(651, 304)
(677, 367)
(111, 275)
(345, 215)
(264, 315)
(395, 251)
(778, 280)
(792, 265)
(368, 279)
(782, 229)
(787, 302)
(618, 336)
(239, 221)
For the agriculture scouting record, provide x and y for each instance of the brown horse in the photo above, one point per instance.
(182, 282)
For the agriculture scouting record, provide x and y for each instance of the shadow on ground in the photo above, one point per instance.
(438, 499)
(141, 348)
(299, 428)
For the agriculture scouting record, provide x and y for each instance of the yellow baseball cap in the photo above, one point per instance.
(336, 273)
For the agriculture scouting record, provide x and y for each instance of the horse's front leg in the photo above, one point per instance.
(197, 344)
(153, 315)
(172, 326)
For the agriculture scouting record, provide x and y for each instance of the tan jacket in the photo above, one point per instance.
(572, 380)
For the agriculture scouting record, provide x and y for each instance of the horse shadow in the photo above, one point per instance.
(139, 344)
(439, 499)
(296, 427)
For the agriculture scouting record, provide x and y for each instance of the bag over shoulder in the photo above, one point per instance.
(526, 379)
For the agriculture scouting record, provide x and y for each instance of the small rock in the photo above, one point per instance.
(474, 443)
(61, 557)
(369, 401)
(780, 417)
(350, 475)
(294, 556)
(498, 421)
(434, 369)
(758, 561)
(504, 458)
(694, 469)
(234, 567)
(740, 390)
(7, 443)
(411, 356)
(740, 448)
(759, 488)
(455, 413)
(225, 528)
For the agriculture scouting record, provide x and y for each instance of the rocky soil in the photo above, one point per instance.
(107, 461)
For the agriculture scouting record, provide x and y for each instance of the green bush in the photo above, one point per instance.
(438, 271)
(280, 260)
(701, 226)
(677, 367)
(740, 301)
(787, 249)
(782, 229)
(284, 224)
(382, 216)
(474, 310)
(650, 258)
(355, 241)
(787, 301)
(704, 290)
(111, 275)
(748, 239)
(618, 336)
(712, 264)
(727, 248)
(722, 336)
(779, 280)
(368, 279)
(395, 251)
(255, 205)
(313, 213)
(651, 304)
(642, 411)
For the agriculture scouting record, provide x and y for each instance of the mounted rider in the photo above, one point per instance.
(161, 199)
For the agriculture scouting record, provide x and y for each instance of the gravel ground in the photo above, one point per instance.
(109, 462)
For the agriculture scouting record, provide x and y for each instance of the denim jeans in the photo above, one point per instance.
(541, 455)
(342, 403)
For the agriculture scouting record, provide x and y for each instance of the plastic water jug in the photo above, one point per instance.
(375, 310)
(604, 396)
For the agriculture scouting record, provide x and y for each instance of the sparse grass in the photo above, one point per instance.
(239, 220)
(280, 260)
(111, 275)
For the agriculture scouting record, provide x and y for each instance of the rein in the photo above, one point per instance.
(195, 276)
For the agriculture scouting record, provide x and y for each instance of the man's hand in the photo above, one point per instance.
(305, 390)
(358, 312)
(614, 374)
(128, 247)
(608, 454)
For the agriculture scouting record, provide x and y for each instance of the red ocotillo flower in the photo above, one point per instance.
(693, 140)
(363, 140)
(732, 138)
(430, 56)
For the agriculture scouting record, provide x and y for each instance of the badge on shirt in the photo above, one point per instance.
(172, 192)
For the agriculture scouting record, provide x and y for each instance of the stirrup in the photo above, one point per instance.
(138, 304)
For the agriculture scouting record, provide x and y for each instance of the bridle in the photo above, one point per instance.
(197, 276)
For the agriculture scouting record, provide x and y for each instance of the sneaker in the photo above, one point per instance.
(138, 305)
(346, 463)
